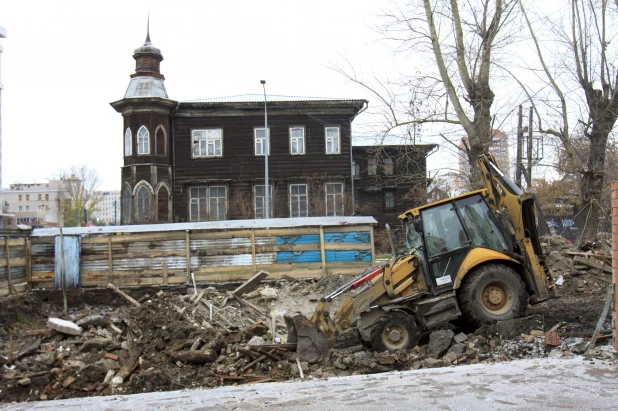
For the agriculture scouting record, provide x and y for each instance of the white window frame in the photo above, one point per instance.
(332, 143)
(296, 142)
(143, 140)
(262, 199)
(336, 199)
(387, 193)
(207, 202)
(355, 169)
(260, 140)
(297, 213)
(388, 167)
(128, 142)
(372, 167)
(202, 145)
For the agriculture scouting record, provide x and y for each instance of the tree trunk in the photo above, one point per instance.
(593, 178)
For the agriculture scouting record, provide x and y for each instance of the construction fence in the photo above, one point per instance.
(180, 253)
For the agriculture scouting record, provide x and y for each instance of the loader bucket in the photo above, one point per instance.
(312, 343)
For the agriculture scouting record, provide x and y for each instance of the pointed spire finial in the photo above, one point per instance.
(148, 29)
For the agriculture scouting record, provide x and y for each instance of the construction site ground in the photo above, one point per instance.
(177, 338)
(533, 384)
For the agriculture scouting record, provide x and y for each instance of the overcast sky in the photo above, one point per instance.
(65, 61)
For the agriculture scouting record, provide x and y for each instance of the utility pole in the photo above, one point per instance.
(520, 138)
(529, 154)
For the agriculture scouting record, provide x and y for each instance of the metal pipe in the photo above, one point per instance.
(266, 191)
(391, 240)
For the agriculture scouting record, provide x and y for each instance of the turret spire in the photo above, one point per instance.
(148, 29)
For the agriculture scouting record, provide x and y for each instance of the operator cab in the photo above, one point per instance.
(443, 234)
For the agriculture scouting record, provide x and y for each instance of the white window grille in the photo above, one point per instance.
(128, 142)
(334, 199)
(260, 200)
(143, 141)
(207, 143)
(297, 140)
(143, 205)
(298, 200)
(388, 166)
(261, 142)
(332, 140)
(208, 203)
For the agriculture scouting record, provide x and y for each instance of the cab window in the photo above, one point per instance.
(481, 224)
(442, 229)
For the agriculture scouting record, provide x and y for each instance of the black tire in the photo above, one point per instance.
(492, 293)
(394, 331)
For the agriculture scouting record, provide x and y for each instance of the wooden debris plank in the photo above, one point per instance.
(123, 294)
(248, 304)
(579, 253)
(591, 262)
(251, 284)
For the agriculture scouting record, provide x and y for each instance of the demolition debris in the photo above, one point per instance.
(141, 340)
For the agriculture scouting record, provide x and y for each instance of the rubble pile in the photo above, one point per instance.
(212, 337)
(585, 270)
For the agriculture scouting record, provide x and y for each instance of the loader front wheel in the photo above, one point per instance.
(492, 293)
(394, 331)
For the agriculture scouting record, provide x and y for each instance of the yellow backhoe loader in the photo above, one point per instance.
(475, 256)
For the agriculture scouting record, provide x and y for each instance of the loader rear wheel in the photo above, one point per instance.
(492, 293)
(394, 331)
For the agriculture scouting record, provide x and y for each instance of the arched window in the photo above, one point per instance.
(126, 206)
(160, 141)
(143, 205)
(143, 141)
(163, 204)
(128, 142)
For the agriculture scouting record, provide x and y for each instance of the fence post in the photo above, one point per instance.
(110, 262)
(322, 251)
(253, 258)
(188, 252)
(29, 263)
(615, 260)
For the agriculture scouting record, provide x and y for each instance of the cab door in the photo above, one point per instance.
(446, 244)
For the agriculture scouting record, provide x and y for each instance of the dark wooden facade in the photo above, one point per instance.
(384, 189)
(164, 181)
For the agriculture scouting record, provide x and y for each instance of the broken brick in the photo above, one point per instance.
(111, 356)
(68, 382)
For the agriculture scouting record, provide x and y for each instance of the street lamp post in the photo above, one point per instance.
(266, 191)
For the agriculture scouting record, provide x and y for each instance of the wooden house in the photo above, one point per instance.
(204, 160)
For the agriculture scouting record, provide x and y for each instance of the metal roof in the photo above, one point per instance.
(390, 140)
(208, 225)
(259, 98)
(146, 86)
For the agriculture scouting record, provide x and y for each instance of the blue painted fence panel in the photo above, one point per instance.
(71, 245)
(298, 239)
(335, 256)
(355, 237)
(286, 257)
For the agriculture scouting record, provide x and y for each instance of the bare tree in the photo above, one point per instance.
(584, 83)
(462, 42)
(78, 192)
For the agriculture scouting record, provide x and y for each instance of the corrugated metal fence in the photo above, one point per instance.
(170, 253)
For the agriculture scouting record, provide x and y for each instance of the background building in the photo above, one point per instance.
(34, 204)
(107, 209)
(499, 148)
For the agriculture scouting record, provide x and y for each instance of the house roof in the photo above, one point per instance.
(259, 98)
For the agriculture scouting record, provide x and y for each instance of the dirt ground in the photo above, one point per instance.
(179, 339)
